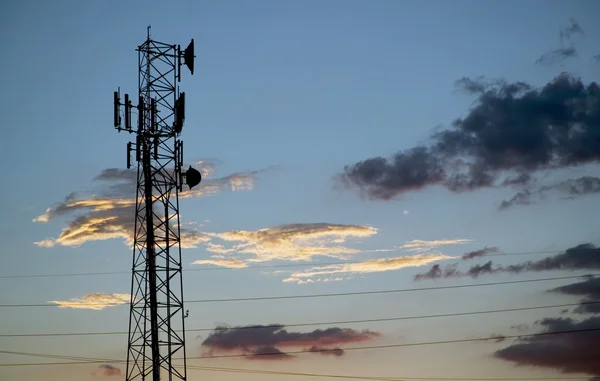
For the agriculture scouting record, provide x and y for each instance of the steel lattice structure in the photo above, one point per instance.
(156, 321)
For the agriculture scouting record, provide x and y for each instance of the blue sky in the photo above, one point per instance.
(285, 95)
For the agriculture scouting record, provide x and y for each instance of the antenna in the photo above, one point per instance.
(188, 57)
(127, 112)
(141, 110)
(152, 115)
(179, 113)
(117, 105)
(128, 155)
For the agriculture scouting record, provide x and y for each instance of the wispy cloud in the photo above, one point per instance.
(109, 213)
(570, 30)
(107, 370)
(265, 342)
(567, 48)
(423, 246)
(557, 55)
(571, 189)
(294, 242)
(230, 263)
(98, 301)
(304, 242)
(318, 273)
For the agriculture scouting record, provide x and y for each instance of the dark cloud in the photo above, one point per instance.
(577, 187)
(523, 197)
(267, 352)
(557, 55)
(587, 307)
(589, 289)
(383, 179)
(256, 339)
(479, 253)
(571, 189)
(574, 352)
(513, 130)
(436, 271)
(107, 370)
(581, 257)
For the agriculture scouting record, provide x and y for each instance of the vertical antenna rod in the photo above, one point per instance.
(156, 314)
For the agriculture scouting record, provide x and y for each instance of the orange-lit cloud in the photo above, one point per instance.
(97, 301)
(110, 214)
(323, 273)
(230, 263)
(423, 246)
(294, 242)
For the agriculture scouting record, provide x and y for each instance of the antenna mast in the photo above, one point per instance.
(156, 318)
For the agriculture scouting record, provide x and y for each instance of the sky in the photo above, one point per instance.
(346, 147)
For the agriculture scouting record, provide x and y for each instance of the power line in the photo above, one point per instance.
(340, 322)
(375, 378)
(266, 266)
(281, 297)
(86, 360)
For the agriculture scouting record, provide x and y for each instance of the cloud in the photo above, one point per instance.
(98, 301)
(110, 213)
(513, 130)
(337, 352)
(371, 266)
(383, 179)
(267, 352)
(405, 212)
(259, 340)
(589, 289)
(521, 179)
(479, 253)
(422, 246)
(572, 29)
(305, 241)
(230, 263)
(576, 352)
(107, 370)
(557, 55)
(571, 188)
(293, 242)
(581, 257)
(563, 52)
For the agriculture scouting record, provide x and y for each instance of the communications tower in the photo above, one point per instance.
(156, 318)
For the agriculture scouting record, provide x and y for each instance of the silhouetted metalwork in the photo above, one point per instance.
(156, 320)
